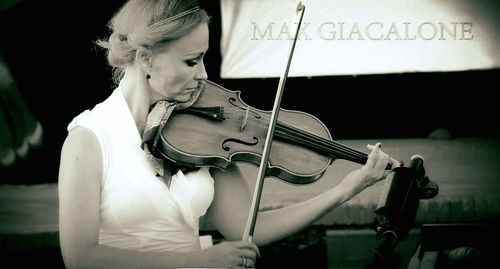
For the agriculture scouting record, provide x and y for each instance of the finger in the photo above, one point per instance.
(256, 250)
(395, 163)
(371, 147)
(380, 166)
(382, 159)
(387, 173)
(248, 245)
(249, 254)
(239, 262)
(379, 152)
(372, 157)
(245, 262)
(250, 263)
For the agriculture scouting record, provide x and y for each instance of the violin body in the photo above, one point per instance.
(220, 129)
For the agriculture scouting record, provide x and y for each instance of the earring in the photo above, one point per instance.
(148, 76)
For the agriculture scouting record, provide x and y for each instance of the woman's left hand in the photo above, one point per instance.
(370, 173)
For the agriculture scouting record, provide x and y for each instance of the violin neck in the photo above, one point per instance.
(321, 145)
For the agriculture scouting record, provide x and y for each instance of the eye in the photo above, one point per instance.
(192, 62)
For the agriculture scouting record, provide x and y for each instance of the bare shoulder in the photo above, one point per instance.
(80, 156)
(80, 138)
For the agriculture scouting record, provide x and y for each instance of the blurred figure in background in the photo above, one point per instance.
(19, 129)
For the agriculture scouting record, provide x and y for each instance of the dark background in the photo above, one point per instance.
(61, 72)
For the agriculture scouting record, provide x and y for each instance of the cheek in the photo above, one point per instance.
(169, 80)
(181, 77)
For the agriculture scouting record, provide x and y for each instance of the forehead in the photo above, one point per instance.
(194, 42)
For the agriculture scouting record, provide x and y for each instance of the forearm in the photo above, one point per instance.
(279, 223)
(109, 257)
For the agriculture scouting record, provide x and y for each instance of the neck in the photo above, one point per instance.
(135, 90)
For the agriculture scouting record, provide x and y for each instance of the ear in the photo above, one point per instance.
(143, 57)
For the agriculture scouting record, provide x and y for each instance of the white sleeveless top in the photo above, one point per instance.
(138, 211)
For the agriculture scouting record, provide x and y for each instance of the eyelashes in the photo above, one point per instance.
(195, 61)
(192, 62)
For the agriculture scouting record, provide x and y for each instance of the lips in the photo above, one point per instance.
(193, 88)
(200, 85)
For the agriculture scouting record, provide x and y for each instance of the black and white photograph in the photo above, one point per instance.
(329, 134)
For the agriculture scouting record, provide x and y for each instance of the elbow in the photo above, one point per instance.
(71, 261)
(76, 259)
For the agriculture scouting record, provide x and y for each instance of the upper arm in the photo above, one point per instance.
(79, 185)
(229, 210)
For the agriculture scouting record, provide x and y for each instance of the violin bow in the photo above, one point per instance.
(254, 209)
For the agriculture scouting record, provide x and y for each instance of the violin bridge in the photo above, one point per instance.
(245, 118)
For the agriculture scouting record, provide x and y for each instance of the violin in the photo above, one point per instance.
(220, 129)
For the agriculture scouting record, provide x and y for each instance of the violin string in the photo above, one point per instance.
(306, 138)
(314, 140)
(324, 144)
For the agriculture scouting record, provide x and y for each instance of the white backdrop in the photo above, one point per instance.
(350, 37)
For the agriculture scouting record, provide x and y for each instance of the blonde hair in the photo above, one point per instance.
(131, 29)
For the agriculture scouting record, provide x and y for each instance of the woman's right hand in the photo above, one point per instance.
(230, 254)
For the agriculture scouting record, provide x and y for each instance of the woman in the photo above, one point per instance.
(119, 207)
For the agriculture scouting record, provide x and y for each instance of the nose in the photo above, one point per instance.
(202, 72)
